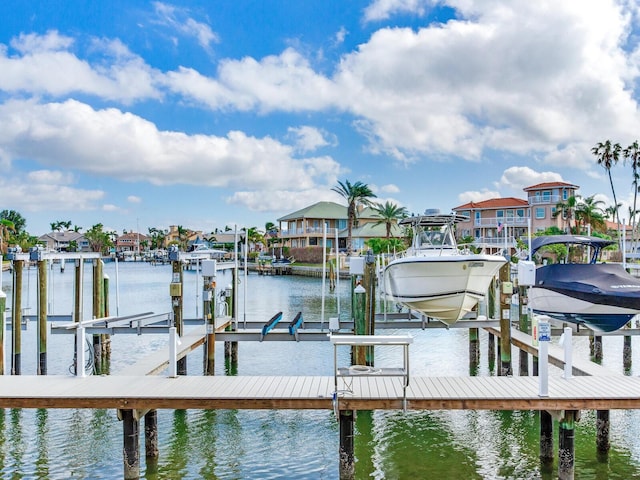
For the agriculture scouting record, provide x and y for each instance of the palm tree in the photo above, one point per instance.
(357, 194)
(611, 210)
(608, 155)
(567, 209)
(390, 213)
(632, 153)
(590, 213)
(6, 228)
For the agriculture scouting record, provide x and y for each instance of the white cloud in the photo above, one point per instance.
(134, 199)
(46, 66)
(478, 196)
(124, 146)
(518, 178)
(275, 201)
(309, 138)
(383, 9)
(39, 192)
(180, 21)
(389, 188)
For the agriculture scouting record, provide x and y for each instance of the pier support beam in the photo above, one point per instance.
(627, 353)
(347, 458)
(602, 432)
(546, 440)
(566, 450)
(151, 434)
(474, 350)
(16, 319)
(131, 442)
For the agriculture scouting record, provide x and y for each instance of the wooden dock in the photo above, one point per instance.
(316, 392)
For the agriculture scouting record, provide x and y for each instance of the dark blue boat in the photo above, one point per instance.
(601, 296)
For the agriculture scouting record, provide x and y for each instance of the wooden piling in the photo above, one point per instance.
(369, 284)
(546, 438)
(626, 352)
(505, 320)
(209, 309)
(474, 350)
(602, 432)
(16, 318)
(566, 447)
(105, 339)
(525, 326)
(131, 442)
(151, 434)
(42, 317)
(176, 304)
(347, 457)
(98, 312)
(3, 307)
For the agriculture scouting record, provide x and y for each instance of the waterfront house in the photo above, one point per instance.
(65, 241)
(496, 223)
(305, 227)
(132, 242)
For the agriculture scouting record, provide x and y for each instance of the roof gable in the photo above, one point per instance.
(325, 210)
(546, 185)
(494, 203)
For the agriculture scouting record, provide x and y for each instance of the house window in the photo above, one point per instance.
(540, 212)
(476, 233)
(565, 194)
(546, 196)
(342, 224)
(477, 218)
(520, 213)
(465, 213)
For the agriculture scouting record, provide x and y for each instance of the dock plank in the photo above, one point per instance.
(299, 392)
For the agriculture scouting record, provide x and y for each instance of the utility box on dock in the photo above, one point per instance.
(208, 268)
(175, 289)
(526, 273)
(356, 266)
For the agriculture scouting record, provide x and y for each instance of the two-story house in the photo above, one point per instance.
(496, 223)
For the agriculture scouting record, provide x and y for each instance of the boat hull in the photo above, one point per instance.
(601, 296)
(446, 288)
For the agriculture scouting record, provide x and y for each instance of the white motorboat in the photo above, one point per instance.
(436, 278)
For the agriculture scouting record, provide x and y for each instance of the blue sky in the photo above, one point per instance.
(139, 114)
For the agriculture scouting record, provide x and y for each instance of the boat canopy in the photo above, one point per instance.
(595, 242)
(433, 220)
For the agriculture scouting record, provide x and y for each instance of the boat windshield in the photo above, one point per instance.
(430, 238)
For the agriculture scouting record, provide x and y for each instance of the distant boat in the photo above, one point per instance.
(602, 296)
(201, 251)
(436, 278)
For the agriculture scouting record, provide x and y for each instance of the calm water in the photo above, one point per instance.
(237, 444)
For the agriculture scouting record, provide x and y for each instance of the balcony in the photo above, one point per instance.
(545, 199)
(506, 221)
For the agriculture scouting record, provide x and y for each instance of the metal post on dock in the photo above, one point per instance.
(173, 353)
(491, 314)
(42, 317)
(347, 457)
(106, 338)
(80, 357)
(16, 318)
(358, 353)
(544, 337)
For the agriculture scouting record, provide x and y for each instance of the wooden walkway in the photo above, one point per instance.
(316, 392)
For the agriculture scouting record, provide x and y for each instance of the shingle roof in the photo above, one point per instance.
(325, 210)
(493, 203)
(550, 185)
